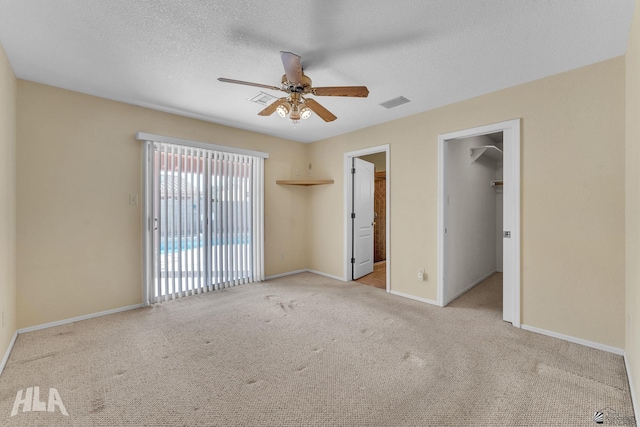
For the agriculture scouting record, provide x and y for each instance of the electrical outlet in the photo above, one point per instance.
(133, 199)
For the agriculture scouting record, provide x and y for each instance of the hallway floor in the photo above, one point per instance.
(378, 278)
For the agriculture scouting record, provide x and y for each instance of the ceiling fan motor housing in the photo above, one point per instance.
(292, 87)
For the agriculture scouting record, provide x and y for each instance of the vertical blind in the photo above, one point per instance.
(206, 220)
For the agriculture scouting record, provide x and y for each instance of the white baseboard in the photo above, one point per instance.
(8, 352)
(477, 282)
(608, 348)
(288, 273)
(330, 276)
(79, 318)
(400, 294)
(304, 270)
(634, 397)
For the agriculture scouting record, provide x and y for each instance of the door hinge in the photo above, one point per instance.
(353, 170)
(353, 215)
(353, 260)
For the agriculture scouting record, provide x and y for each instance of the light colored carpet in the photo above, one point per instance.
(310, 351)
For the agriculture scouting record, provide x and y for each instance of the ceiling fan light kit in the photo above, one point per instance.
(305, 113)
(295, 83)
(283, 110)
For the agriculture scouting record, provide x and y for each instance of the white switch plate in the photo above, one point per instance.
(133, 199)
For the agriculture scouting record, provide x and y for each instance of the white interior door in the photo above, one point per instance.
(363, 194)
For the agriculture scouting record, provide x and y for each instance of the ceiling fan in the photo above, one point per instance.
(296, 84)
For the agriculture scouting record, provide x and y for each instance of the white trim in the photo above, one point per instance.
(8, 352)
(143, 136)
(511, 219)
(288, 273)
(258, 252)
(468, 288)
(587, 343)
(387, 192)
(511, 129)
(147, 210)
(634, 398)
(403, 295)
(305, 270)
(79, 318)
(347, 217)
(442, 190)
(330, 276)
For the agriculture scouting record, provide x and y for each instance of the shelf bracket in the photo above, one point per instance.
(490, 152)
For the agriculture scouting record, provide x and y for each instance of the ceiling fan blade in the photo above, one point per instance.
(322, 112)
(271, 108)
(240, 82)
(359, 91)
(292, 67)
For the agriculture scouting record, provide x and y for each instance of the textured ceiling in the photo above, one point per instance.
(168, 54)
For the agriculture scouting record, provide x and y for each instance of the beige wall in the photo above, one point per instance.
(632, 181)
(79, 240)
(7, 203)
(572, 197)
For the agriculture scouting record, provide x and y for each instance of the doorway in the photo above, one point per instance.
(366, 239)
(457, 233)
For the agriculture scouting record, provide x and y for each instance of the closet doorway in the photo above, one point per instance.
(479, 212)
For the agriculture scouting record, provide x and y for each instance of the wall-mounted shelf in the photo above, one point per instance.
(305, 182)
(490, 152)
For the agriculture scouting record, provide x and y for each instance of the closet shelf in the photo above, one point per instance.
(305, 182)
(490, 152)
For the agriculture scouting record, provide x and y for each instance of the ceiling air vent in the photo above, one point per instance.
(395, 102)
(263, 98)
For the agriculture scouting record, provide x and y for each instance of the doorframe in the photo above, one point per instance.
(348, 195)
(511, 219)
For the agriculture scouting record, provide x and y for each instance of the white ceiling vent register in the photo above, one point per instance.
(395, 102)
(262, 98)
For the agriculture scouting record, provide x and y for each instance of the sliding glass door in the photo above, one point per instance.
(205, 220)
